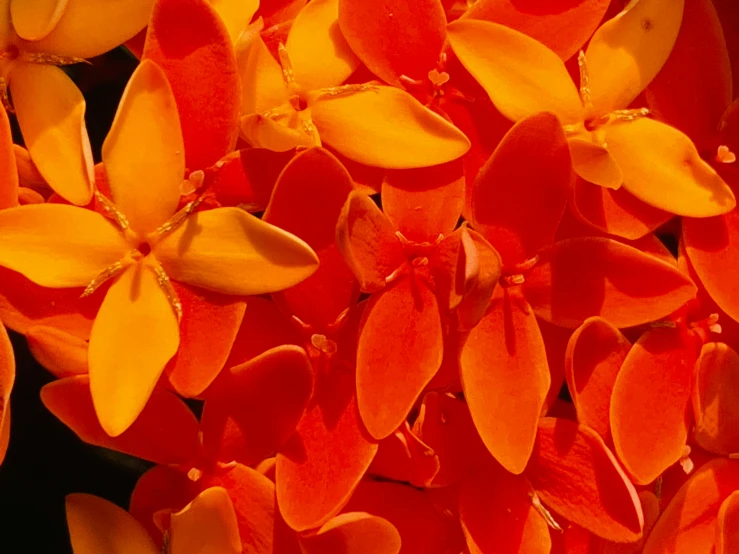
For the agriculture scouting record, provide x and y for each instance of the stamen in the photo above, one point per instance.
(420, 261)
(544, 512)
(112, 211)
(343, 90)
(685, 462)
(193, 182)
(658, 487)
(585, 96)
(323, 344)
(4, 96)
(630, 115)
(438, 78)
(410, 83)
(178, 219)
(50, 59)
(166, 285)
(510, 280)
(724, 155)
(287, 66)
(106, 275)
(310, 130)
(194, 474)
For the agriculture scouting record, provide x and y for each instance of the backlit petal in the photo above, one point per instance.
(57, 245)
(627, 51)
(385, 127)
(354, 533)
(521, 76)
(143, 153)
(51, 115)
(35, 20)
(134, 335)
(230, 251)
(206, 526)
(7, 379)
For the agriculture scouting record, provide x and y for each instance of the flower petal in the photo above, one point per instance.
(51, 115)
(353, 533)
(96, 525)
(62, 353)
(520, 194)
(207, 524)
(7, 379)
(57, 245)
(385, 127)
(583, 277)
(574, 472)
(33, 21)
(662, 168)
(521, 76)
(134, 336)
(262, 80)
(143, 152)
(727, 538)
(230, 251)
(650, 416)
(235, 14)
(400, 349)
(190, 43)
(627, 51)
(505, 377)
(395, 38)
(9, 177)
(594, 163)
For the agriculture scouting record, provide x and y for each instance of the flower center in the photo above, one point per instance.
(144, 248)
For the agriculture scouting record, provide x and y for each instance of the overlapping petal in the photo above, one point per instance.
(353, 533)
(727, 538)
(9, 177)
(62, 353)
(207, 525)
(33, 21)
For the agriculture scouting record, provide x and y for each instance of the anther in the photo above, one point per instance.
(685, 462)
(630, 115)
(438, 78)
(585, 96)
(179, 218)
(323, 344)
(421, 261)
(195, 474)
(344, 90)
(111, 211)
(724, 155)
(287, 66)
(106, 275)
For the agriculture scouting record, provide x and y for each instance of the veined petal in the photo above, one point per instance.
(235, 14)
(662, 167)
(96, 525)
(353, 533)
(189, 42)
(521, 76)
(318, 50)
(35, 20)
(207, 525)
(8, 167)
(385, 127)
(400, 349)
(627, 51)
(263, 86)
(395, 38)
(505, 377)
(134, 335)
(143, 153)
(88, 28)
(51, 115)
(7, 379)
(57, 245)
(570, 467)
(595, 164)
(727, 526)
(230, 251)
(60, 352)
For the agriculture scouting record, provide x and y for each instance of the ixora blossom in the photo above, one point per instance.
(226, 250)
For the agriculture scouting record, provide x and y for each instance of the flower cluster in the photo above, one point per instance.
(401, 257)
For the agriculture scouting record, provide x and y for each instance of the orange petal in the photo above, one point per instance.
(235, 14)
(134, 335)
(727, 528)
(569, 469)
(593, 163)
(57, 245)
(385, 127)
(712, 245)
(143, 152)
(189, 42)
(688, 524)
(35, 21)
(166, 432)
(402, 456)
(583, 277)
(88, 28)
(649, 407)
(353, 533)
(521, 76)
(96, 525)
(497, 515)
(506, 378)
(262, 80)
(400, 349)
(230, 251)
(593, 359)
(51, 115)
(208, 329)
(714, 402)
(367, 240)
(662, 167)
(253, 411)
(207, 524)
(480, 252)
(9, 177)
(627, 51)
(7, 379)
(62, 353)
(563, 25)
(395, 38)
(650, 508)
(520, 194)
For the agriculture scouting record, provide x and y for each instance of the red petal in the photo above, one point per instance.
(727, 529)
(574, 472)
(188, 40)
(506, 378)
(62, 353)
(354, 533)
(584, 277)
(650, 403)
(478, 252)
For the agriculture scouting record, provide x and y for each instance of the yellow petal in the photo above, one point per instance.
(521, 75)
(34, 20)
(230, 251)
(627, 52)
(56, 245)
(206, 526)
(97, 526)
(263, 86)
(133, 337)
(51, 115)
(661, 167)
(143, 153)
(318, 51)
(385, 127)
(89, 28)
(595, 164)
(235, 14)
